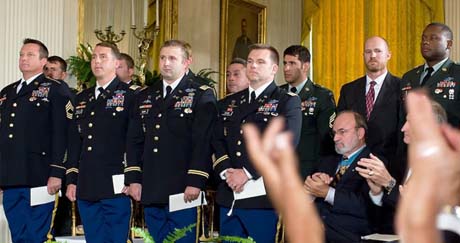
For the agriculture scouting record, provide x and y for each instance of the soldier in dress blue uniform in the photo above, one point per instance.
(97, 151)
(258, 104)
(169, 140)
(34, 117)
(318, 109)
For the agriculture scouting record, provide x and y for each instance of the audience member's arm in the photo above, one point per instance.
(274, 157)
(434, 181)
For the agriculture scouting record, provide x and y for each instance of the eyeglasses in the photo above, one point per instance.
(341, 132)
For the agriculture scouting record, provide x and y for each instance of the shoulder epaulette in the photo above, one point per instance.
(291, 94)
(134, 87)
(55, 80)
(79, 92)
(204, 87)
(143, 88)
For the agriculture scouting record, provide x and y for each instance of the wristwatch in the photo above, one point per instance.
(390, 185)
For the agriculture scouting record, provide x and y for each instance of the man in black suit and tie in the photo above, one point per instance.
(376, 96)
(341, 194)
(439, 74)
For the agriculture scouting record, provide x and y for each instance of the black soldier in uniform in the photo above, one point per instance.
(169, 140)
(439, 74)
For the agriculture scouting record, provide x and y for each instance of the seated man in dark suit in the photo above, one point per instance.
(341, 193)
(383, 186)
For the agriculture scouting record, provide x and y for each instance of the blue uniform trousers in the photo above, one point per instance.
(28, 224)
(259, 224)
(106, 220)
(161, 222)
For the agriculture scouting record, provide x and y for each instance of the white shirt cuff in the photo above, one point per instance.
(330, 196)
(376, 199)
(222, 175)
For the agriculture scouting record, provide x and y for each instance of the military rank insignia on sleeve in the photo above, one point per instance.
(69, 110)
(331, 120)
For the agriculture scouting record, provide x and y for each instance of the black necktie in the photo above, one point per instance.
(294, 90)
(22, 85)
(168, 91)
(101, 91)
(429, 71)
(253, 97)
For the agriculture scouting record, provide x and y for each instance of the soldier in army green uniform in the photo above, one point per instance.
(318, 108)
(439, 74)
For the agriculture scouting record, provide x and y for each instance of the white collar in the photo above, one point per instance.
(28, 81)
(379, 80)
(259, 90)
(173, 85)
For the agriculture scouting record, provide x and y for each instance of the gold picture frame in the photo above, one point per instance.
(242, 22)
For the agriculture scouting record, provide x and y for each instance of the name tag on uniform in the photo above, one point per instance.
(118, 183)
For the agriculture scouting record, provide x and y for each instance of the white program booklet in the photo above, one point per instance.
(381, 237)
(176, 202)
(39, 195)
(118, 183)
(252, 188)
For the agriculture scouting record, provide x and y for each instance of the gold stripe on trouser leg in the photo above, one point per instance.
(49, 236)
(131, 224)
(279, 238)
(198, 223)
(74, 218)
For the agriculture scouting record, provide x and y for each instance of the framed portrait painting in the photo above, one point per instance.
(242, 23)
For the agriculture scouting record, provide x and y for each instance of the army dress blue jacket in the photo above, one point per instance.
(228, 141)
(169, 139)
(98, 140)
(33, 132)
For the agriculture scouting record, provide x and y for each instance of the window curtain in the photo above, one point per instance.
(340, 28)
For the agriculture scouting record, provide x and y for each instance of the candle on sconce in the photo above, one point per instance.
(95, 17)
(146, 9)
(110, 14)
(133, 11)
(157, 13)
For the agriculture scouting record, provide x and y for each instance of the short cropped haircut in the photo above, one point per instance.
(188, 49)
(273, 52)
(444, 28)
(184, 46)
(302, 53)
(58, 59)
(128, 59)
(439, 113)
(238, 60)
(43, 51)
(113, 47)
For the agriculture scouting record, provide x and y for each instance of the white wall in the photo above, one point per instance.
(54, 22)
(452, 10)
